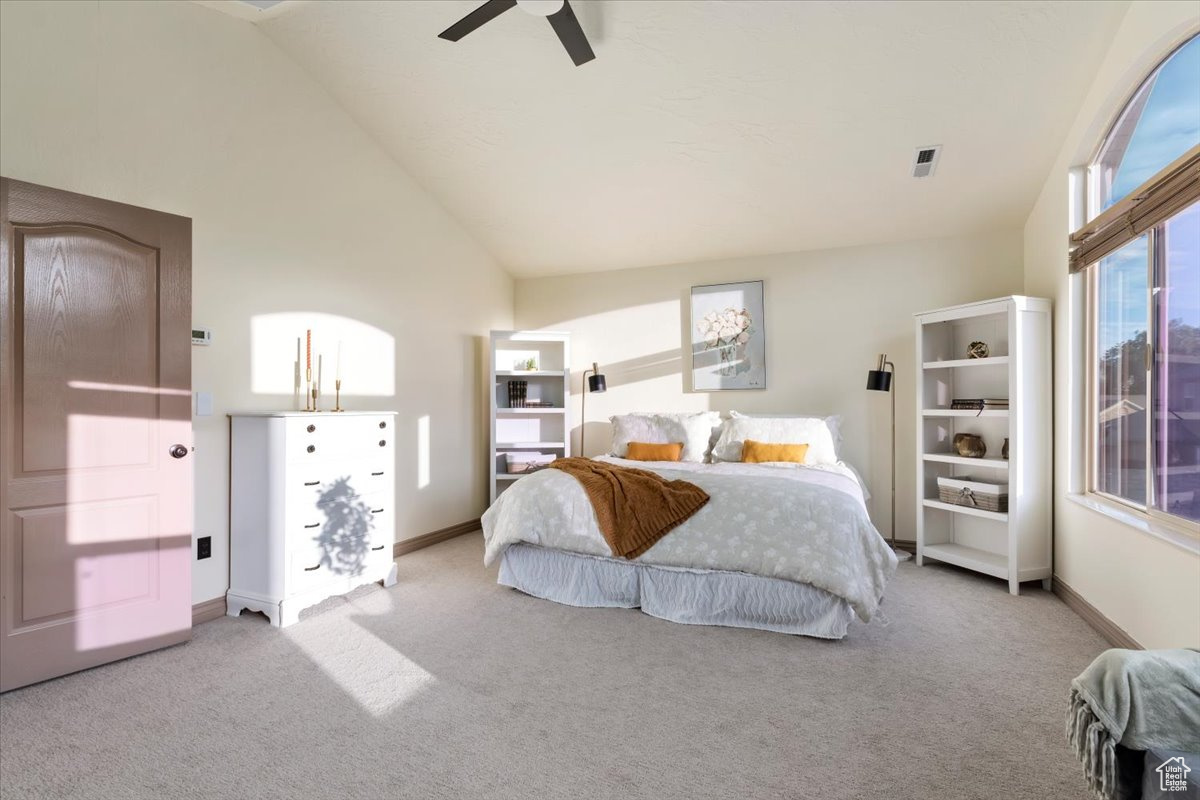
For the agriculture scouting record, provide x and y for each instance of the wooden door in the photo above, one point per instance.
(95, 432)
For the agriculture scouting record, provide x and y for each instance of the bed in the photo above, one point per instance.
(779, 547)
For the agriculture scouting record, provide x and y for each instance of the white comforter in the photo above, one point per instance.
(802, 524)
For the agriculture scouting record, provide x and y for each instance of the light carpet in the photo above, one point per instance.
(450, 686)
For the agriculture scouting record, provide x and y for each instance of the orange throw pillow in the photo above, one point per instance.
(758, 452)
(641, 451)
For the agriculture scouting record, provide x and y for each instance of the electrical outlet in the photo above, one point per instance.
(204, 547)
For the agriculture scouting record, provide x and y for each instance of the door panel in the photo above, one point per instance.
(81, 297)
(95, 387)
(52, 545)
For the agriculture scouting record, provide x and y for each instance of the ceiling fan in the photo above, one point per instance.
(559, 12)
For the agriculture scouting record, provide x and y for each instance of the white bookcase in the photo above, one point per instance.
(1015, 546)
(528, 430)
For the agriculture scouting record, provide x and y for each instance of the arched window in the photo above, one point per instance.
(1158, 125)
(1139, 253)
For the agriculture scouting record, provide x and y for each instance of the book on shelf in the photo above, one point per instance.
(517, 391)
(978, 404)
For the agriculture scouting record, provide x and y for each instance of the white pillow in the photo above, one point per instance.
(692, 429)
(813, 431)
(834, 422)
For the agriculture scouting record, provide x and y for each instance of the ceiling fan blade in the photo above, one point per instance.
(566, 25)
(480, 16)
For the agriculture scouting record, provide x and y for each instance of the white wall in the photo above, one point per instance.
(1148, 587)
(829, 313)
(295, 209)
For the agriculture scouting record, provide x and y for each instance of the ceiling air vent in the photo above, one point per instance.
(925, 161)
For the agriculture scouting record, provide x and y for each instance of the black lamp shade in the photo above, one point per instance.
(879, 380)
(596, 383)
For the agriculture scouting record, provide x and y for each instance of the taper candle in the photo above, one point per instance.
(338, 376)
(308, 352)
(319, 360)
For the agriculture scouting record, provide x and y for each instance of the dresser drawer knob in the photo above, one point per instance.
(377, 549)
(312, 428)
(311, 569)
(314, 525)
(376, 510)
(376, 474)
(383, 442)
(312, 483)
(383, 425)
(312, 448)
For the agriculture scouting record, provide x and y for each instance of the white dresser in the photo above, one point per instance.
(311, 508)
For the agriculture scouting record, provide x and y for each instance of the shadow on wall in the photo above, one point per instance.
(618, 374)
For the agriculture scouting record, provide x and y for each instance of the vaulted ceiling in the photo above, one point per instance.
(708, 129)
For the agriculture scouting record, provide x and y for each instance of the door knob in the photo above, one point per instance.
(178, 451)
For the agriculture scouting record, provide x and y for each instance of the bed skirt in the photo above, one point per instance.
(689, 596)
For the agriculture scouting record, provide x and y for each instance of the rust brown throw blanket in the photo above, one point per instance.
(634, 508)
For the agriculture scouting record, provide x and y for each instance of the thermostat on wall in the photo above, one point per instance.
(201, 336)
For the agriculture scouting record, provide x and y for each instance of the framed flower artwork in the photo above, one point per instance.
(729, 337)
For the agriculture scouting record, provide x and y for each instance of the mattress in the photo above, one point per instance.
(678, 594)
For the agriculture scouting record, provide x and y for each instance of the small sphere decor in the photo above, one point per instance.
(977, 350)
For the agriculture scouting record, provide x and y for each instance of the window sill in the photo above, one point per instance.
(1138, 521)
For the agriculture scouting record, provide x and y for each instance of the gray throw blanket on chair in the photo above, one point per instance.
(1138, 699)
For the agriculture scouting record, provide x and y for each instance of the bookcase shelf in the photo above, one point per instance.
(950, 458)
(968, 510)
(530, 445)
(1015, 546)
(969, 558)
(531, 411)
(966, 412)
(530, 373)
(992, 361)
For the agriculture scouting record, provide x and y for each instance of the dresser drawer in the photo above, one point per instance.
(345, 526)
(307, 569)
(311, 440)
(312, 484)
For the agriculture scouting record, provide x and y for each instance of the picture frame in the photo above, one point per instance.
(729, 337)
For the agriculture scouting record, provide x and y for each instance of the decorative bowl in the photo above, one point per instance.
(968, 445)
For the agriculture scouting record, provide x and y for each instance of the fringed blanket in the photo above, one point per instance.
(1138, 699)
(634, 508)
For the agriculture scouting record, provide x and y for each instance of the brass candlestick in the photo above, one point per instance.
(309, 391)
(337, 395)
(316, 394)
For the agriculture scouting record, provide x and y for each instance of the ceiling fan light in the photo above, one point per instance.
(540, 8)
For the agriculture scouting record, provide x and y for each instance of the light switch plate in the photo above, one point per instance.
(204, 404)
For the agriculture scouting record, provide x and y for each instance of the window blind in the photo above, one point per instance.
(1166, 194)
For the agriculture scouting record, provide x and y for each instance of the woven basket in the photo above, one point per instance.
(973, 494)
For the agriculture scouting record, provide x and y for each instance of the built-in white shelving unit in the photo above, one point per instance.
(528, 430)
(1015, 546)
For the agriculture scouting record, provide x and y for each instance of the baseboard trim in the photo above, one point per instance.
(426, 539)
(1104, 626)
(208, 610)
